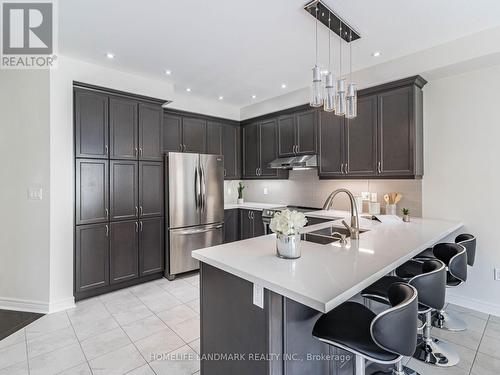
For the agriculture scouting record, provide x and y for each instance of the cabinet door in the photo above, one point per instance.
(395, 128)
(92, 191)
(124, 251)
(91, 124)
(231, 145)
(214, 138)
(123, 190)
(306, 124)
(268, 147)
(151, 187)
(286, 136)
(172, 133)
(231, 225)
(194, 135)
(246, 224)
(91, 257)
(361, 139)
(251, 143)
(331, 149)
(123, 128)
(258, 224)
(150, 124)
(151, 248)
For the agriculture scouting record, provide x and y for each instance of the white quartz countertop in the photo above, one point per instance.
(328, 275)
(253, 205)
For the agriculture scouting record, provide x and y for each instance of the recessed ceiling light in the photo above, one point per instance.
(168, 72)
(188, 89)
(254, 96)
(376, 54)
(283, 86)
(221, 97)
(109, 55)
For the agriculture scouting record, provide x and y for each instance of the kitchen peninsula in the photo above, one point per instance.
(295, 293)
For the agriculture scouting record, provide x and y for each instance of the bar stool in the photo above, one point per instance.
(429, 279)
(455, 256)
(383, 338)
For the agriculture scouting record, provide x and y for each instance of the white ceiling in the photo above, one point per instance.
(238, 48)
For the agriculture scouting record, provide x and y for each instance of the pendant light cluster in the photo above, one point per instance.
(340, 96)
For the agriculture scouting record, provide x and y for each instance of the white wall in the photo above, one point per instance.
(462, 174)
(24, 224)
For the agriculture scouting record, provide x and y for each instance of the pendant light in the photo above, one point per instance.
(340, 102)
(316, 89)
(329, 104)
(352, 94)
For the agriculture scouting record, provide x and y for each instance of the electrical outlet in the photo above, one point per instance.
(497, 274)
(266, 191)
(35, 193)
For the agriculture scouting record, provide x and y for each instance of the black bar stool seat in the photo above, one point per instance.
(410, 269)
(348, 326)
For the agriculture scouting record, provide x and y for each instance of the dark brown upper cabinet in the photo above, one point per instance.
(361, 139)
(123, 129)
(297, 133)
(91, 124)
(150, 128)
(91, 257)
(396, 132)
(150, 189)
(184, 134)
(214, 138)
(331, 145)
(194, 134)
(151, 250)
(172, 133)
(92, 191)
(385, 140)
(124, 251)
(260, 147)
(231, 149)
(123, 190)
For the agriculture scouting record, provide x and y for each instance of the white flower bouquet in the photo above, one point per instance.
(287, 222)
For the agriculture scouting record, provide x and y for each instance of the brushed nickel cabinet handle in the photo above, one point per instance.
(141, 211)
(342, 168)
(107, 230)
(135, 151)
(142, 225)
(106, 212)
(106, 150)
(136, 227)
(379, 167)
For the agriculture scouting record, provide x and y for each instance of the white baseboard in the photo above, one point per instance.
(474, 304)
(40, 307)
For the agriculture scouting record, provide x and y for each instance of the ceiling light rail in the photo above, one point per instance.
(336, 22)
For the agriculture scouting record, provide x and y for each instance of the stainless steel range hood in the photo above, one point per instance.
(295, 162)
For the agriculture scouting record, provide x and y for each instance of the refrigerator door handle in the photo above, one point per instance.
(196, 188)
(194, 231)
(203, 189)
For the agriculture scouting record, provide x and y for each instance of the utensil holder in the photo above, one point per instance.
(391, 209)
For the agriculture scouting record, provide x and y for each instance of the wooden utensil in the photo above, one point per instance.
(386, 198)
(399, 196)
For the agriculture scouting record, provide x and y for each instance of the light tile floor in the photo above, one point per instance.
(153, 328)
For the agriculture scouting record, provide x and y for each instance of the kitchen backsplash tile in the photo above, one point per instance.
(304, 188)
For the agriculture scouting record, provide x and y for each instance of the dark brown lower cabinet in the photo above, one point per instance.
(92, 257)
(124, 251)
(251, 224)
(231, 225)
(151, 250)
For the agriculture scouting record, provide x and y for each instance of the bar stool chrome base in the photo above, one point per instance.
(449, 321)
(398, 370)
(436, 352)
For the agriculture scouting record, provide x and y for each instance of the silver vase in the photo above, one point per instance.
(288, 247)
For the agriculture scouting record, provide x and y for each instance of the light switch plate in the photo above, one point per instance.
(35, 193)
(266, 191)
(258, 295)
(497, 274)
(374, 198)
(365, 195)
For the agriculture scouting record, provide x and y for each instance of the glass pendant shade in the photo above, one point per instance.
(316, 89)
(329, 100)
(340, 98)
(351, 101)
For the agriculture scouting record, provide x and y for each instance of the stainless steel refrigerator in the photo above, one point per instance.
(194, 191)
